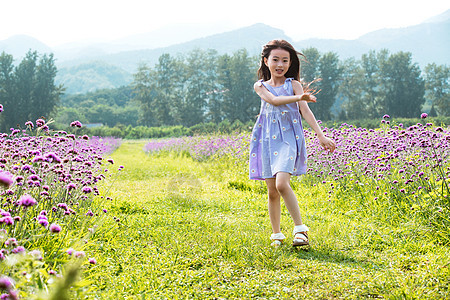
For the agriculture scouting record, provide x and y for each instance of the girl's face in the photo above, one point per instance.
(278, 62)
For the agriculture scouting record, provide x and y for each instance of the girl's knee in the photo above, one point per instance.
(283, 186)
(273, 194)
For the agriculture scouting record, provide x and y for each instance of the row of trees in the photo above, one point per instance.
(203, 86)
(107, 106)
(28, 90)
(382, 83)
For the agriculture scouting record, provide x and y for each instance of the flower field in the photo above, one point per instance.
(182, 219)
(48, 182)
(405, 171)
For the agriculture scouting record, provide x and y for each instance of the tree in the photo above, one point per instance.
(28, 90)
(46, 94)
(200, 84)
(101, 113)
(330, 73)
(66, 115)
(352, 89)
(24, 87)
(167, 87)
(438, 88)
(370, 84)
(142, 87)
(310, 65)
(237, 79)
(213, 111)
(6, 88)
(403, 86)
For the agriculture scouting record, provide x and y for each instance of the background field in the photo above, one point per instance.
(189, 230)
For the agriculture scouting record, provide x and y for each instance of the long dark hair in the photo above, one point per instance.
(294, 68)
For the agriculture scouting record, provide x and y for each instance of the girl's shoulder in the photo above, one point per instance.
(296, 84)
(292, 80)
(257, 86)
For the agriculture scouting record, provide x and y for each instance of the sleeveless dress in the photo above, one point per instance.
(278, 142)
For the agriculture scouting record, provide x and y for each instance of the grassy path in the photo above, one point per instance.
(189, 230)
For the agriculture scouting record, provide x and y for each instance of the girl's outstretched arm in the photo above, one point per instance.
(307, 114)
(267, 96)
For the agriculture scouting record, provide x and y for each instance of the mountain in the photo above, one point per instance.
(18, 45)
(163, 37)
(428, 42)
(439, 18)
(250, 38)
(92, 76)
(89, 66)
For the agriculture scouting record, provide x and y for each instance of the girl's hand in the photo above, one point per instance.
(308, 97)
(327, 144)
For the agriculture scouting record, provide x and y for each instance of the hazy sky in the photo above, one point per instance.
(56, 22)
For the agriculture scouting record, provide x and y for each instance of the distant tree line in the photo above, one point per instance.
(207, 87)
(28, 90)
(382, 83)
(109, 107)
(202, 86)
(199, 87)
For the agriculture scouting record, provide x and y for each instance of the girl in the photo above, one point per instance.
(277, 148)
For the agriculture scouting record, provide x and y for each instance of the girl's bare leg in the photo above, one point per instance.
(274, 205)
(283, 186)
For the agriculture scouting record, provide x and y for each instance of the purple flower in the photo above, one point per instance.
(11, 242)
(19, 249)
(1, 108)
(38, 158)
(87, 189)
(71, 186)
(55, 228)
(63, 206)
(6, 283)
(40, 122)
(386, 117)
(424, 116)
(27, 201)
(52, 157)
(8, 220)
(6, 179)
(43, 222)
(70, 251)
(92, 261)
(12, 295)
(76, 124)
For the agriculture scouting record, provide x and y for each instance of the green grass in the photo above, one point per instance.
(182, 229)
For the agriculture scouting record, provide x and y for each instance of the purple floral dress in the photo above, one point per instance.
(278, 142)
